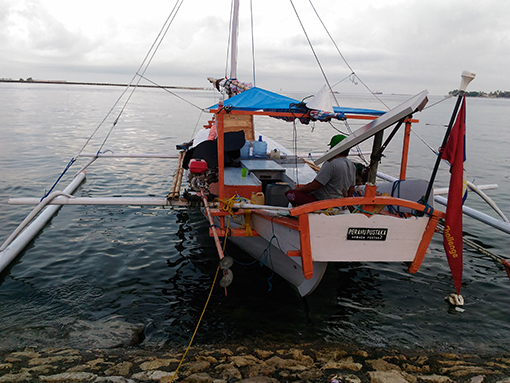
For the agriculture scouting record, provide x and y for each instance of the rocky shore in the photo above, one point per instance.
(249, 364)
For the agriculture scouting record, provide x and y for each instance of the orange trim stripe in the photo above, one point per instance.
(378, 200)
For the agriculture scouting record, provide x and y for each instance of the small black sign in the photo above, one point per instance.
(366, 234)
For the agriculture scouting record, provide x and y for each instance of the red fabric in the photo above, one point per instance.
(213, 134)
(452, 236)
(297, 197)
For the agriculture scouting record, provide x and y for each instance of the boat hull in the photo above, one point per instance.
(289, 268)
(361, 238)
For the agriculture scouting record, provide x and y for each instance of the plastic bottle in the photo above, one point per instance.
(257, 198)
(245, 150)
(259, 148)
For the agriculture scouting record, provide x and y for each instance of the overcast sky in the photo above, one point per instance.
(394, 46)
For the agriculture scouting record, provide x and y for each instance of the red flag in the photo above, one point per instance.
(454, 153)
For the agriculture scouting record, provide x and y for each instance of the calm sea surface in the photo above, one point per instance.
(95, 266)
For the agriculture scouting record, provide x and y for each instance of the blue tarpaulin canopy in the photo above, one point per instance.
(261, 100)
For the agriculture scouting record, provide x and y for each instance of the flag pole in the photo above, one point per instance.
(467, 77)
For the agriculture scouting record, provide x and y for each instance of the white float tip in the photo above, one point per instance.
(467, 77)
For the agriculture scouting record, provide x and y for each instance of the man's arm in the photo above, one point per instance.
(309, 187)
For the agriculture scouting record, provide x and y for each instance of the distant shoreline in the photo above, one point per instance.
(496, 94)
(30, 81)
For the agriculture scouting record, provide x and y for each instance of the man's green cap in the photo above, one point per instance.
(336, 139)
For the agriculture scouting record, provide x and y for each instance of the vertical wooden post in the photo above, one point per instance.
(424, 244)
(370, 191)
(306, 246)
(405, 151)
(375, 157)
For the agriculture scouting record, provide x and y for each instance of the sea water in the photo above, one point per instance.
(154, 266)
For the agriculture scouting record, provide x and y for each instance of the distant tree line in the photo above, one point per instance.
(496, 94)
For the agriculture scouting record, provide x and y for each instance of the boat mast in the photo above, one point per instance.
(233, 40)
(234, 29)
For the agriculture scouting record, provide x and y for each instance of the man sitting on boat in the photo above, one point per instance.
(336, 179)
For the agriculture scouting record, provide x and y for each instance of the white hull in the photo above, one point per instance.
(288, 268)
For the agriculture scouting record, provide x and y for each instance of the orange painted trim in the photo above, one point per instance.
(221, 153)
(405, 150)
(222, 213)
(424, 244)
(370, 192)
(242, 190)
(253, 113)
(231, 232)
(306, 246)
(294, 253)
(231, 190)
(298, 115)
(354, 201)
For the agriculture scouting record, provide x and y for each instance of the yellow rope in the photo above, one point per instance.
(196, 328)
(246, 225)
(329, 211)
(203, 312)
(228, 206)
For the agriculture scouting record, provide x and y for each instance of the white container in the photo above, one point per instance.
(275, 154)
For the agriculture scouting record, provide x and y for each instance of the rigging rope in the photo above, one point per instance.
(145, 64)
(343, 58)
(324, 73)
(440, 101)
(172, 93)
(353, 73)
(351, 77)
(314, 53)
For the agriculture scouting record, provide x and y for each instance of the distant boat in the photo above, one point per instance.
(377, 92)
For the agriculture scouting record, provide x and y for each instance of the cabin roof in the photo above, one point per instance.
(264, 101)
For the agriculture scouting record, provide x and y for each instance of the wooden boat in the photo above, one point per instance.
(298, 243)
(389, 221)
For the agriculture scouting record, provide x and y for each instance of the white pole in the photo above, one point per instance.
(482, 217)
(12, 249)
(439, 191)
(233, 46)
(132, 201)
(128, 201)
(479, 216)
(489, 200)
(129, 155)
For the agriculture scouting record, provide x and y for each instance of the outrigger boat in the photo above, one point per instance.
(242, 195)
